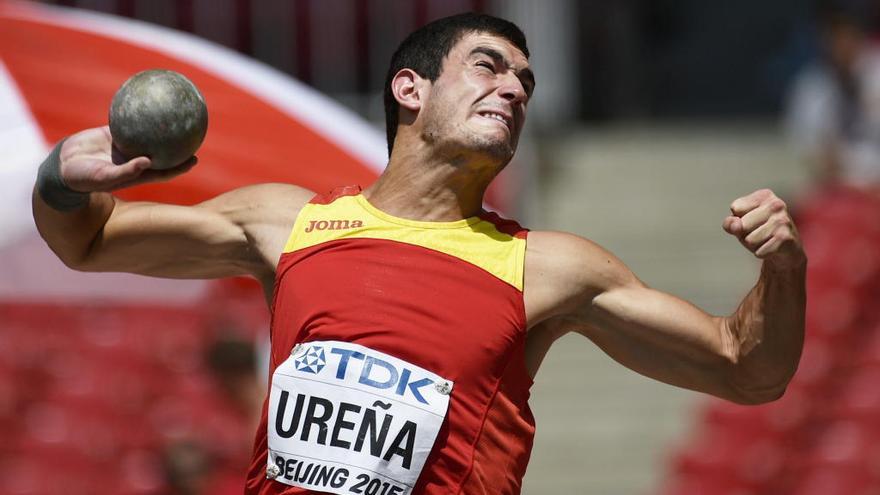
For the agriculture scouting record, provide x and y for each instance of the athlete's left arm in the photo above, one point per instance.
(748, 357)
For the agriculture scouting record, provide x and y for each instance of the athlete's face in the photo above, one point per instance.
(478, 103)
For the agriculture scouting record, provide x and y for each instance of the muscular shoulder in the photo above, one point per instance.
(260, 202)
(265, 212)
(563, 272)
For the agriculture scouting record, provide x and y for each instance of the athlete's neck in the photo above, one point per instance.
(419, 185)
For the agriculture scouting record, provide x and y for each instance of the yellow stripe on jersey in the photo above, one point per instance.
(473, 240)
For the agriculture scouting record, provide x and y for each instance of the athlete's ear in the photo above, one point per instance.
(406, 88)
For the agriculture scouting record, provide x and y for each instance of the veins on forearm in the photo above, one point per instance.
(767, 330)
(747, 324)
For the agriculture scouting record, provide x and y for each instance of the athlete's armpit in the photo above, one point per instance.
(240, 232)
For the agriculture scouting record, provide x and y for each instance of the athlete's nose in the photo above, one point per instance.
(513, 91)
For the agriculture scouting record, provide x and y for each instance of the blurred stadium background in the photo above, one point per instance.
(649, 118)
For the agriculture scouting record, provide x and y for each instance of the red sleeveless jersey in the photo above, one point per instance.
(398, 356)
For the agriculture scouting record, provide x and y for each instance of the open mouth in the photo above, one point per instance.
(500, 117)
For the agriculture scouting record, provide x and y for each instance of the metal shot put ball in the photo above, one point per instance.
(160, 114)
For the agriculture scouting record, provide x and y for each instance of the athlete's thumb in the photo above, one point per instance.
(133, 168)
(117, 175)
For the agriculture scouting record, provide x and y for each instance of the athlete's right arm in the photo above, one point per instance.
(241, 232)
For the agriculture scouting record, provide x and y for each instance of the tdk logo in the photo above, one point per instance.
(374, 372)
(312, 361)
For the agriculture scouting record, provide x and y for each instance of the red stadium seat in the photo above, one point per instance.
(836, 481)
(860, 397)
(743, 459)
(99, 390)
(832, 312)
(869, 352)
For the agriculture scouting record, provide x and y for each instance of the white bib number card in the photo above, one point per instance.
(346, 419)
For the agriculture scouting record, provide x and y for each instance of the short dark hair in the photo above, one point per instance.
(423, 51)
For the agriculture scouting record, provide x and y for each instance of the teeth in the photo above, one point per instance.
(495, 116)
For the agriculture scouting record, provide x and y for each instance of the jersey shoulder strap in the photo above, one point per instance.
(486, 240)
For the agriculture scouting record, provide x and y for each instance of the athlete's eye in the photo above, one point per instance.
(487, 65)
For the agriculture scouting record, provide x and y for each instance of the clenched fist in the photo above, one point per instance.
(763, 225)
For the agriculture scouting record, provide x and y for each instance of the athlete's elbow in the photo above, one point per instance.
(71, 258)
(73, 255)
(74, 263)
(771, 395)
(754, 385)
(79, 262)
(746, 387)
(749, 381)
(756, 397)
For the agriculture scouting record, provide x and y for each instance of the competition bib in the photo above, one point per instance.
(346, 419)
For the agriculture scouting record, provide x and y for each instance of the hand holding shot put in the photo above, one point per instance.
(158, 119)
(413, 273)
(160, 114)
(89, 162)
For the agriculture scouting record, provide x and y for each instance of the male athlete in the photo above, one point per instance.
(408, 322)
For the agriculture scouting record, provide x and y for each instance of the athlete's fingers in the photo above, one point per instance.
(762, 224)
(732, 225)
(757, 237)
(745, 204)
(110, 177)
(135, 166)
(770, 247)
(762, 214)
(152, 175)
(170, 173)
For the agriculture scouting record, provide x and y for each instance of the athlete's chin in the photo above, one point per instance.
(496, 149)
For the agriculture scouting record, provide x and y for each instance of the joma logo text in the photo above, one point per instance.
(333, 225)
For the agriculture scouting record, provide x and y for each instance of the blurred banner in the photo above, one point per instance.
(134, 385)
(59, 69)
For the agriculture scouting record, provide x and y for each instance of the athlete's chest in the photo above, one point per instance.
(419, 304)
(384, 330)
(380, 344)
